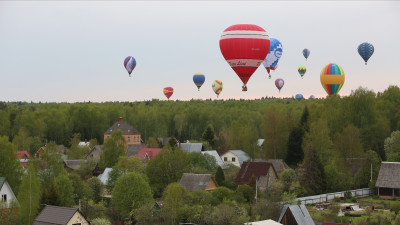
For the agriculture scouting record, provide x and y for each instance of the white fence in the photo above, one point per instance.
(330, 196)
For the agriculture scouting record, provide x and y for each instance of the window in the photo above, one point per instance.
(233, 159)
(76, 224)
(129, 139)
(225, 159)
(4, 197)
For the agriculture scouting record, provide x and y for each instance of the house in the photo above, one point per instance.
(191, 147)
(23, 157)
(39, 153)
(56, 215)
(264, 173)
(133, 150)
(131, 135)
(279, 165)
(263, 222)
(6, 193)
(388, 181)
(148, 153)
(94, 153)
(295, 215)
(105, 175)
(194, 182)
(218, 159)
(73, 164)
(235, 157)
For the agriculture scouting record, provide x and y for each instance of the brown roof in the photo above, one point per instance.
(55, 215)
(259, 169)
(124, 126)
(389, 175)
(279, 164)
(194, 182)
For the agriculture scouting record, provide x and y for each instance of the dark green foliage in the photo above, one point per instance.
(97, 188)
(219, 176)
(311, 173)
(295, 153)
(209, 135)
(10, 166)
(113, 148)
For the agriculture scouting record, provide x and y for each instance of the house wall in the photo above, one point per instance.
(78, 219)
(131, 139)
(211, 185)
(229, 156)
(6, 190)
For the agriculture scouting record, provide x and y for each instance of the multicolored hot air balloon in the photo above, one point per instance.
(168, 91)
(365, 50)
(299, 96)
(302, 70)
(198, 80)
(279, 83)
(332, 78)
(244, 47)
(275, 52)
(217, 87)
(306, 53)
(130, 64)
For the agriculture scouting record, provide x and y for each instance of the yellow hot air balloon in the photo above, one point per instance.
(217, 87)
(332, 78)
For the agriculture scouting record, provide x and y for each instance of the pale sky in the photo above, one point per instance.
(70, 51)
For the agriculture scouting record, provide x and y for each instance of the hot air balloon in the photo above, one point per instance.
(306, 53)
(299, 96)
(217, 87)
(275, 52)
(130, 64)
(244, 47)
(198, 80)
(302, 70)
(279, 83)
(311, 97)
(365, 50)
(332, 78)
(168, 91)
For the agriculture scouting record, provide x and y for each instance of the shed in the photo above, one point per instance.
(295, 215)
(194, 182)
(388, 182)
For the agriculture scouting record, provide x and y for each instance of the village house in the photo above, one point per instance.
(388, 181)
(216, 156)
(235, 157)
(263, 172)
(23, 157)
(295, 215)
(94, 153)
(56, 215)
(279, 165)
(191, 147)
(194, 182)
(148, 153)
(6, 193)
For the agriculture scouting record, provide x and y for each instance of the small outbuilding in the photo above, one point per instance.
(388, 182)
(56, 215)
(194, 182)
(295, 215)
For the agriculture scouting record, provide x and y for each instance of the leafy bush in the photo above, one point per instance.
(347, 195)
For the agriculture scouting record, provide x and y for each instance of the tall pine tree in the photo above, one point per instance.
(295, 152)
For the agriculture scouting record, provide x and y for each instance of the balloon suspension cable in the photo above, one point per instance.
(365, 63)
(269, 76)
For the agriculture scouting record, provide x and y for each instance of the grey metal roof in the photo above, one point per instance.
(55, 215)
(279, 164)
(218, 159)
(74, 164)
(105, 175)
(134, 149)
(194, 182)
(300, 214)
(124, 126)
(191, 147)
(243, 157)
(389, 175)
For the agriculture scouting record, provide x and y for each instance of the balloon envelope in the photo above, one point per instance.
(302, 70)
(199, 79)
(275, 52)
(279, 83)
(311, 97)
(130, 64)
(217, 87)
(244, 47)
(299, 96)
(332, 78)
(365, 50)
(306, 53)
(168, 91)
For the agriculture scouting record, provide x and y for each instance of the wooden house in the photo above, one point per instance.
(388, 181)
(295, 215)
(194, 182)
(131, 135)
(263, 172)
(56, 215)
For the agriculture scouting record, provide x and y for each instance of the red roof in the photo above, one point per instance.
(259, 169)
(150, 152)
(21, 154)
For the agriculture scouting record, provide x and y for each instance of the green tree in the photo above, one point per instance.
(29, 196)
(65, 190)
(97, 188)
(318, 138)
(295, 150)
(209, 135)
(165, 168)
(392, 147)
(275, 133)
(173, 197)
(113, 148)
(288, 179)
(131, 191)
(363, 175)
(76, 151)
(100, 221)
(311, 173)
(226, 214)
(219, 176)
(152, 143)
(10, 166)
(82, 191)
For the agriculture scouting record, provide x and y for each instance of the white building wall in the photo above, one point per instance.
(229, 159)
(6, 190)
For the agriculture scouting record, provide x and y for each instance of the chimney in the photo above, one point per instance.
(121, 119)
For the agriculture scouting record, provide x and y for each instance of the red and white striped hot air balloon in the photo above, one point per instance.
(244, 47)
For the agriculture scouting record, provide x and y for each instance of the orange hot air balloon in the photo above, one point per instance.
(168, 91)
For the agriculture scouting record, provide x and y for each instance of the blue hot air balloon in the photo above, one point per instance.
(129, 64)
(299, 96)
(365, 50)
(198, 80)
(275, 52)
(306, 53)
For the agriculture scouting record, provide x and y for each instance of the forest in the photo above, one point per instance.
(330, 145)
